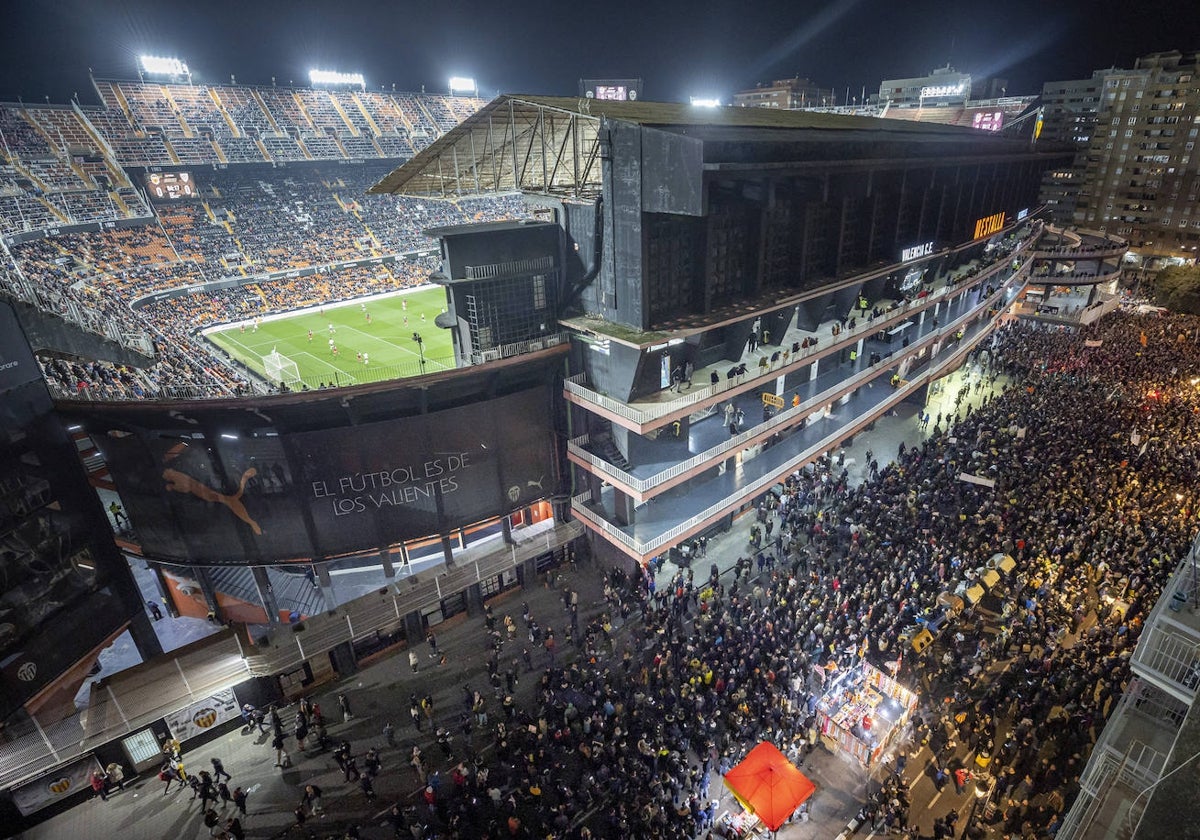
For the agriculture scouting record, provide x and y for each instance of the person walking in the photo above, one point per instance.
(277, 743)
(414, 711)
(219, 770)
(99, 785)
(344, 703)
(239, 799)
(312, 799)
(167, 774)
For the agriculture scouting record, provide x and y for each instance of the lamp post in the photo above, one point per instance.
(416, 336)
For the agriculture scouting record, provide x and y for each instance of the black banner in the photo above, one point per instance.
(402, 479)
(264, 496)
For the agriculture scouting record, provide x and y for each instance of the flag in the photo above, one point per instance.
(1142, 338)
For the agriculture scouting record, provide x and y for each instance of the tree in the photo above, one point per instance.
(1178, 289)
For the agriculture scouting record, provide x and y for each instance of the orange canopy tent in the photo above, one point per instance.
(768, 785)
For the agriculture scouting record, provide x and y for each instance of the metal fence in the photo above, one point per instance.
(133, 699)
(577, 385)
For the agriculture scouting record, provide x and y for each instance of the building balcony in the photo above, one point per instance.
(1130, 787)
(732, 476)
(1168, 651)
(662, 408)
(667, 461)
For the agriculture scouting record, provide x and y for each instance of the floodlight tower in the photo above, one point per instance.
(335, 78)
(157, 65)
(461, 85)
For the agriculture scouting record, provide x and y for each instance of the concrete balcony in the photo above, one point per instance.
(662, 408)
(1168, 651)
(694, 504)
(708, 438)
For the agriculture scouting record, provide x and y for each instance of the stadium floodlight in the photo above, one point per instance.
(332, 77)
(161, 66)
(462, 84)
(705, 102)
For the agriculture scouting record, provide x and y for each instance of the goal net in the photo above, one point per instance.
(279, 368)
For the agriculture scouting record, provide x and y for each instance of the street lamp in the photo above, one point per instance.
(420, 348)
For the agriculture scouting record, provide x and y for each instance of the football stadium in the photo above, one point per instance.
(566, 466)
(339, 344)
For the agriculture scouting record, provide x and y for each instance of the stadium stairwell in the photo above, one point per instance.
(367, 115)
(270, 118)
(341, 146)
(16, 164)
(225, 115)
(123, 102)
(116, 199)
(175, 109)
(58, 214)
(170, 150)
(83, 176)
(262, 147)
(303, 148)
(307, 118)
(216, 147)
(45, 136)
(337, 106)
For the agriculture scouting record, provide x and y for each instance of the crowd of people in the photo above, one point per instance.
(300, 221)
(629, 736)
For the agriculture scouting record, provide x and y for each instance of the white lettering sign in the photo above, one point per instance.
(923, 250)
(943, 90)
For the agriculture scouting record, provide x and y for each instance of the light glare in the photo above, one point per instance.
(332, 77)
(461, 83)
(702, 102)
(163, 66)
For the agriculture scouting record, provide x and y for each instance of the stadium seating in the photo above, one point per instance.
(64, 165)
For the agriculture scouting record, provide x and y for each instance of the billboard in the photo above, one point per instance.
(989, 225)
(619, 90)
(56, 786)
(988, 120)
(380, 483)
(263, 496)
(202, 716)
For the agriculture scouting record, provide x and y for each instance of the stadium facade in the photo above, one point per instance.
(710, 255)
(809, 271)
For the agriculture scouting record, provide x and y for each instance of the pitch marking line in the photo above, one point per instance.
(333, 367)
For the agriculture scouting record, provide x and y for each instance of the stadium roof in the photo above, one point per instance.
(550, 144)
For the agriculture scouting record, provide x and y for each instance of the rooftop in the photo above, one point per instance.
(551, 144)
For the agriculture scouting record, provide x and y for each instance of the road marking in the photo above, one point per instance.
(936, 797)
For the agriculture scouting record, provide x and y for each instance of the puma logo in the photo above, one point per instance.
(538, 483)
(181, 482)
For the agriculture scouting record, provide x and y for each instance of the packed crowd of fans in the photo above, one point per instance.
(256, 299)
(257, 226)
(627, 743)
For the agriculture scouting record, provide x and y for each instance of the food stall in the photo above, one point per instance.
(862, 710)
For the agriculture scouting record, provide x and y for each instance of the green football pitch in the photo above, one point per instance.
(385, 342)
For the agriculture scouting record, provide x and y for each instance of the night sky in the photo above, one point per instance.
(529, 46)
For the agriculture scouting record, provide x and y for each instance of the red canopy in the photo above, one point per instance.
(769, 785)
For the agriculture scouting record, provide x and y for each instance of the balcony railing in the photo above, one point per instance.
(641, 416)
(671, 537)
(288, 648)
(760, 485)
(639, 486)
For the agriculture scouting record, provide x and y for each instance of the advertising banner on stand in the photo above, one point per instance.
(53, 787)
(201, 717)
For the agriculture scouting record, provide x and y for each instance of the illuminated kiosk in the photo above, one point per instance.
(861, 711)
